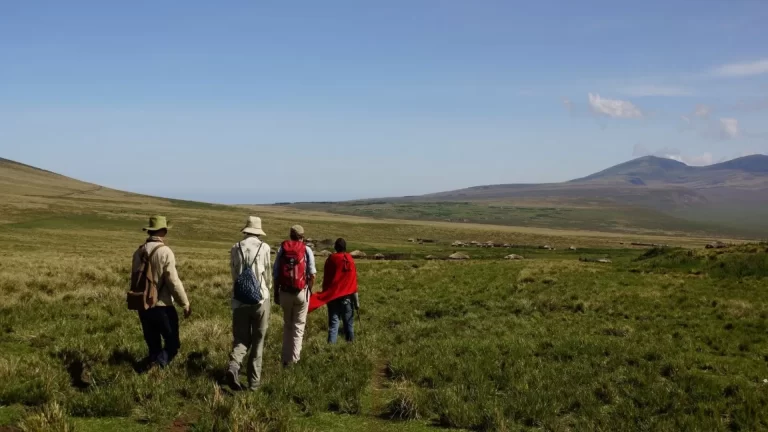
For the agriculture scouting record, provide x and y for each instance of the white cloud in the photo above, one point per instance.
(654, 90)
(703, 110)
(758, 67)
(613, 107)
(729, 128)
(701, 121)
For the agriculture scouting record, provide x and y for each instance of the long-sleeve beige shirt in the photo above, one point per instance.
(169, 286)
(260, 265)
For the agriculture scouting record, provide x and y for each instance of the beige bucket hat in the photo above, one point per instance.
(156, 223)
(253, 226)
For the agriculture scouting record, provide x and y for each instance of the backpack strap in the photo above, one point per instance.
(257, 254)
(242, 255)
(142, 251)
(149, 257)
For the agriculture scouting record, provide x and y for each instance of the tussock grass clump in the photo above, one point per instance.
(526, 276)
(50, 418)
(30, 382)
(405, 403)
(737, 262)
(253, 412)
(108, 401)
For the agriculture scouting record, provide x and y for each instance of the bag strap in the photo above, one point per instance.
(242, 255)
(142, 251)
(150, 255)
(257, 254)
(149, 258)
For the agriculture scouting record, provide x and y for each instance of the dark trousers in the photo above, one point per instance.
(341, 310)
(161, 324)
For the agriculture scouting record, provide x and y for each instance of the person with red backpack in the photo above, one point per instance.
(294, 276)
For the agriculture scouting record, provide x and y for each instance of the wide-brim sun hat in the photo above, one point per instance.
(156, 223)
(253, 226)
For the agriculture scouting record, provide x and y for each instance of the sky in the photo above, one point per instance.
(272, 101)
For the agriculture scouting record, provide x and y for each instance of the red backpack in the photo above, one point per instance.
(293, 266)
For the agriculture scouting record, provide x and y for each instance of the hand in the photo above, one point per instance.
(187, 311)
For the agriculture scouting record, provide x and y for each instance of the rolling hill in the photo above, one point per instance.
(33, 194)
(649, 193)
(645, 196)
(20, 179)
(654, 182)
(42, 209)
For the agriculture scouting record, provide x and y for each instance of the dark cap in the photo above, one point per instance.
(340, 245)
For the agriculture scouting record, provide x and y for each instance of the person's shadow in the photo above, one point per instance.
(198, 364)
(122, 356)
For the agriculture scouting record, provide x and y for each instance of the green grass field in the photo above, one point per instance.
(668, 339)
(594, 216)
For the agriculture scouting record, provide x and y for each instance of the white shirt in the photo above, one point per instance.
(260, 265)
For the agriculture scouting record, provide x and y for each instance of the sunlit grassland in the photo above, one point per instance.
(547, 343)
(594, 216)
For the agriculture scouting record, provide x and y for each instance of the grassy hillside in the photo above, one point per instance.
(602, 217)
(546, 343)
(20, 179)
(648, 194)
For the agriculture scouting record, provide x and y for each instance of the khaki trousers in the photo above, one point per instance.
(249, 328)
(295, 307)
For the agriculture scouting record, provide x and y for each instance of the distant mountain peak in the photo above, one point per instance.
(644, 168)
(757, 163)
(657, 160)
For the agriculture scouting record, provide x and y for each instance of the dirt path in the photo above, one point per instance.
(378, 380)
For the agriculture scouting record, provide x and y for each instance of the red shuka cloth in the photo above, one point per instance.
(339, 280)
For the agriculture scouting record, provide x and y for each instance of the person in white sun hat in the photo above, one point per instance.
(251, 275)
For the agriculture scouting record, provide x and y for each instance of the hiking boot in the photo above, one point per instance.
(233, 380)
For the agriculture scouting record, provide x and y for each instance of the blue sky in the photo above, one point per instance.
(261, 101)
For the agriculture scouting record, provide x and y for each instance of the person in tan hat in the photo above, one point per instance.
(160, 323)
(294, 275)
(251, 272)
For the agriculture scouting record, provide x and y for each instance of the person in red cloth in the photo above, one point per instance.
(339, 292)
